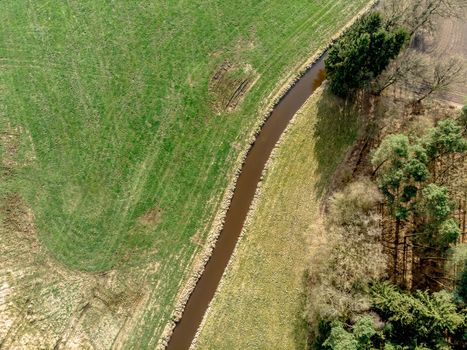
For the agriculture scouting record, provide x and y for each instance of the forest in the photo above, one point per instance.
(392, 273)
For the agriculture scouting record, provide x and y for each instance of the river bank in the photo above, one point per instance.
(260, 301)
(204, 296)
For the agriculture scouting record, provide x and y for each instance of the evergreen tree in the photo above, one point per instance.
(362, 54)
(420, 319)
(461, 290)
(446, 138)
(358, 337)
(403, 169)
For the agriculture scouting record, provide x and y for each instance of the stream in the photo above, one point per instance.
(244, 192)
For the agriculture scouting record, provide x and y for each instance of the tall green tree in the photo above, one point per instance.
(406, 172)
(358, 337)
(401, 168)
(400, 320)
(446, 138)
(362, 54)
(461, 289)
(463, 118)
(419, 319)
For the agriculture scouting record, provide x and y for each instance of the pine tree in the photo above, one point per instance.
(362, 54)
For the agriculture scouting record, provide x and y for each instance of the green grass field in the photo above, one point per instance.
(261, 304)
(127, 140)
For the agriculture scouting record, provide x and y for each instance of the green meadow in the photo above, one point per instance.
(131, 116)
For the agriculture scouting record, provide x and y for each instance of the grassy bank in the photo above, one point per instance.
(260, 303)
(127, 120)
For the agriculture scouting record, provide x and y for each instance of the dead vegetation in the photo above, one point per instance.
(347, 254)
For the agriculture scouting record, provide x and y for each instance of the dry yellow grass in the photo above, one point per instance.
(260, 303)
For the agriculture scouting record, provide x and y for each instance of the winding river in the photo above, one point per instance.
(244, 192)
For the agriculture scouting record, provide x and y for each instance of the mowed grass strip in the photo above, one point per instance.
(114, 99)
(260, 304)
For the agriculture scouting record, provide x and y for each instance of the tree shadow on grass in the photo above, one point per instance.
(301, 325)
(336, 129)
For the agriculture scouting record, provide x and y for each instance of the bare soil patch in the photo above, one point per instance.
(42, 303)
(229, 84)
(151, 217)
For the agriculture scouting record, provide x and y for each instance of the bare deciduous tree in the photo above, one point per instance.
(437, 77)
(415, 15)
(347, 253)
(408, 64)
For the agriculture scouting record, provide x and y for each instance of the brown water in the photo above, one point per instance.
(244, 192)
